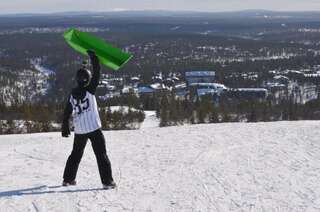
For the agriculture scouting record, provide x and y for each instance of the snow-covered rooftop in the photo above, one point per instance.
(252, 89)
(210, 85)
(200, 74)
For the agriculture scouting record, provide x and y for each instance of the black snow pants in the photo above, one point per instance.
(99, 148)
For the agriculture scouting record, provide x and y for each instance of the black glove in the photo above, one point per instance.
(91, 54)
(65, 131)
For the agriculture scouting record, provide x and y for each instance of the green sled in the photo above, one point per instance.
(108, 55)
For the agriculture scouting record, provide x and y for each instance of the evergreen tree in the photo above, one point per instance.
(213, 115)
(164, 112)
(173, 110)
(103, 117)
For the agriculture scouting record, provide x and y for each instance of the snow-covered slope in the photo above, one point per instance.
(150, 120)
(218, 167)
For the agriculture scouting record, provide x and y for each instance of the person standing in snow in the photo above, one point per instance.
(82, 105)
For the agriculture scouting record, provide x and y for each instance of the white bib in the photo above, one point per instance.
(86, 117)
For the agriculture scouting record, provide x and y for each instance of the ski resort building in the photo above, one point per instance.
(247, 93)
(208, 88)
(146, 90)
(201, 83)
(200, 77)
(303, 93)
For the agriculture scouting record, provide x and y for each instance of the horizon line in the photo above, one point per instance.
(119, 10)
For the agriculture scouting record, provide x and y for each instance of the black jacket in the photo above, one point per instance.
(80, 93)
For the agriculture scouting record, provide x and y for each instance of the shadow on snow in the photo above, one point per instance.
(42, 190)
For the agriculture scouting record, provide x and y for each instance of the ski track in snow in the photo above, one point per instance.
(217, 167)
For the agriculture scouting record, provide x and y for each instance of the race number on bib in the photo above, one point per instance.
(81, 105)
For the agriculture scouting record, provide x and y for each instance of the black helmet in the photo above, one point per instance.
(83, 77)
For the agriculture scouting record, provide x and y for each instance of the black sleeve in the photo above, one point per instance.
(92, 87)
(65, 120)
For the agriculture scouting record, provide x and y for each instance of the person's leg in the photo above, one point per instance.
(74, 159)
(99, 148)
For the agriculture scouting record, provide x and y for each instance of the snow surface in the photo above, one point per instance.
(44, 70)
(217, 167)
(150, 120)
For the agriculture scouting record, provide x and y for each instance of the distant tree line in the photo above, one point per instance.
(121, 119)
(34, 118)
(28, 118)
(174, 111)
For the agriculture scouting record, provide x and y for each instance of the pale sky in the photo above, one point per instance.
(48, 6)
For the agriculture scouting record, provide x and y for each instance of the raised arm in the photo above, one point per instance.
(65, 130)
(92, 87)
